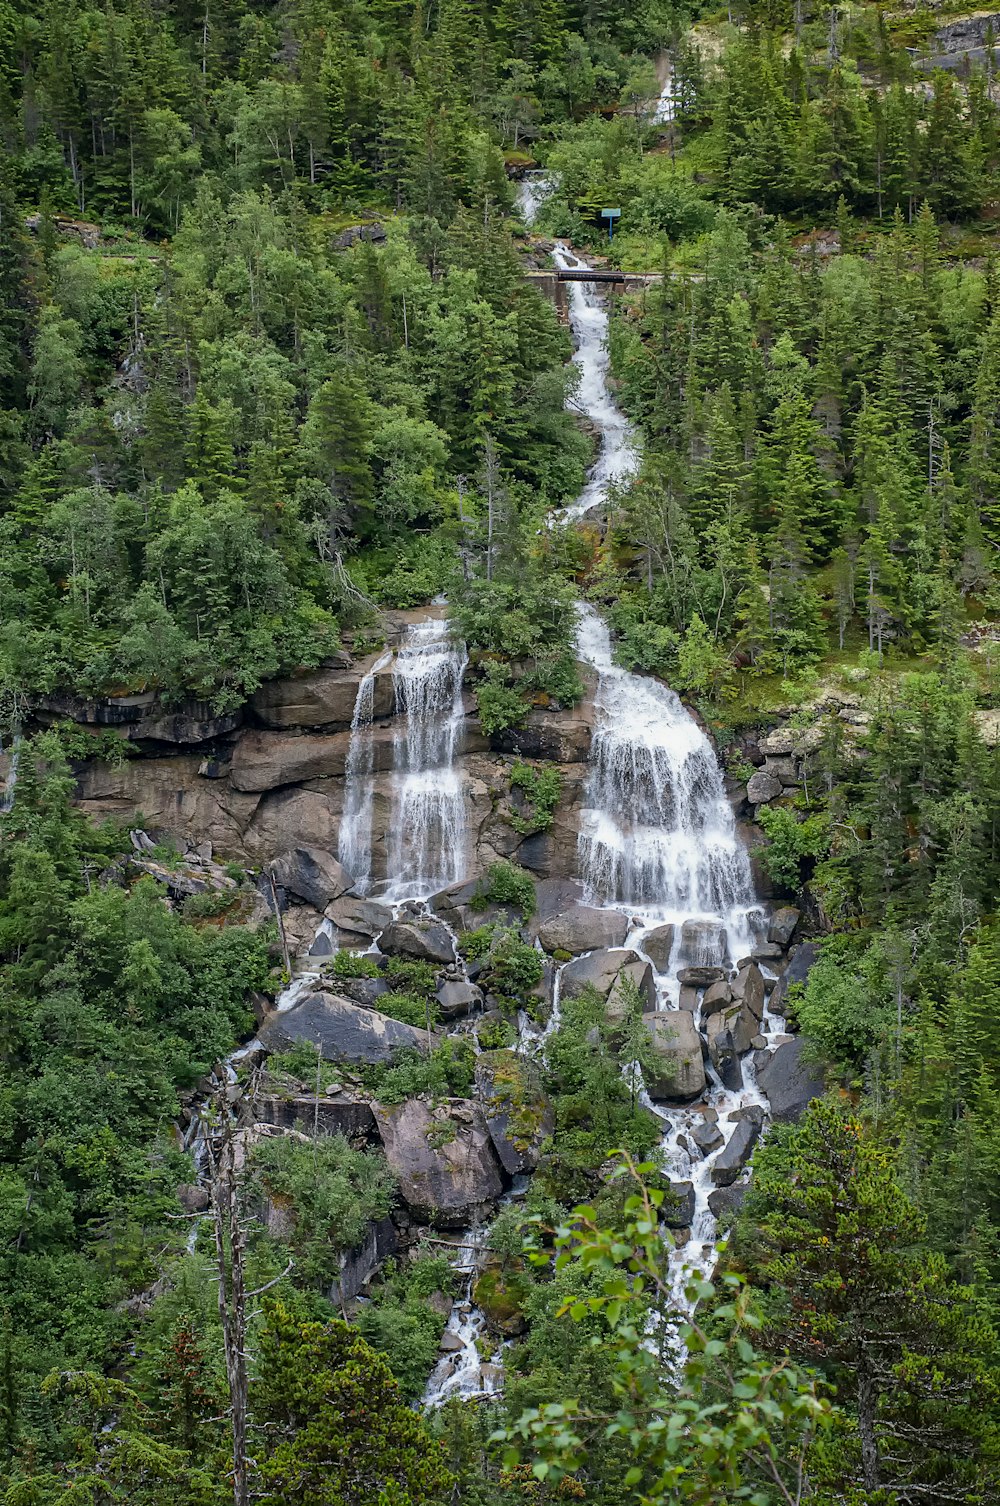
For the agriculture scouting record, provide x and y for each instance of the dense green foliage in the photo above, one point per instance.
(292, 373)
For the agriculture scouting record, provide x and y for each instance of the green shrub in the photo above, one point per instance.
(791, 842)
(506, 884)
(475, 944)
(448, 1072)
(346, 964)
(513, 968)
(410, 1008)
(542, 788)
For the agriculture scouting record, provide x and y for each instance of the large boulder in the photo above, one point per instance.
(762, 787)
(717, 996)
(788, 1082)
(678, 1072)
(599, 970)
(748, 986)
(738, 1021)
(310, 874)
(724, 1052)
(426, 940)
(783, 923)
(734, 1156)
(800, 963)
(443, 1159)
(583, 928)
(640, 973)
(518, 1115)
(703, 943)
(332, 1114)
(458, 998)
(677, 1208)
(343, 1031)
(725, 1202)
(658, 945)
(363, 919)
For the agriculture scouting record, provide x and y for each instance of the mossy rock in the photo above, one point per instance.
(500, 1293)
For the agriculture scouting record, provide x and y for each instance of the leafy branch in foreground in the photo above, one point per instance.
(702, 1413)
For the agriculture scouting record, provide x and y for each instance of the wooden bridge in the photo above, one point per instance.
(595, 274)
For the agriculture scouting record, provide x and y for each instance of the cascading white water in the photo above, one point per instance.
(664, 110)
(617, 457)
(656, 832)
(531, 193)
(427, 847)
(460, 1371)
(10, 783)
(354, 842)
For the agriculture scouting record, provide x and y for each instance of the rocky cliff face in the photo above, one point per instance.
(272, 777)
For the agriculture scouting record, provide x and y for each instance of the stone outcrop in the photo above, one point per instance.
(518, 1115)
(423, 940)
(597, 970)
(582, 928)
(658, 945)
(343, 1031)
(788, 1082)
(678, 1073)
(310, 874)
(730, 1161)
(443, 1159)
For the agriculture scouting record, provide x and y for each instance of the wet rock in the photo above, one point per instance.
(322, 945)
(782, 927)
(789, 1083)
(707, 1137)
(443, 1159)
(345, 1032)
(364, 991)
(730, 1162)
(762, 787)
(700, 977)
(500, 1293)
(269, 760)
(725, 1202)
(451, 1343)
(518, 1115)
(688, 998)
(703, 943)
(457, 999)
(312, 874)
(748, 986)
(658, 945)
(770, 953)
(583, 928)
(599, 971)
(678, 1073)
(362, 917)
(723, 1053)
(752, 1111)
(717, 996)
(677, 1208)
(428, 941)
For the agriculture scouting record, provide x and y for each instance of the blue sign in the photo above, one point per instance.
(611, 215)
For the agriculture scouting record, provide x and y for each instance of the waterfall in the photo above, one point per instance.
(532, 191)
(460, 1371)
(10, 784)
(617, 457)
(427, 832)
(354, 841)
(657, 832)
(665, 109)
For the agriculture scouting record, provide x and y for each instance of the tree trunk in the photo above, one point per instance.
(867, 1403)
(232, 1296)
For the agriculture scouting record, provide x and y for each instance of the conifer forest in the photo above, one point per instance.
(499, 753)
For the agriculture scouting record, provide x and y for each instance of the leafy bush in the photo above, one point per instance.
(512, 968)
(542, 788)
(333, 1192)
(506, 884)
(346, 964)
(792, 842)
(448, 1072)
(410, 1008)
